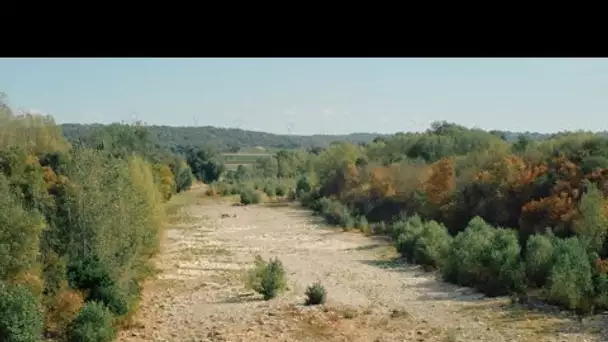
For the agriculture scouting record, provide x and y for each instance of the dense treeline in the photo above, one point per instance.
(224, 139)
(233, 139)
(78, 226)
(506, 217)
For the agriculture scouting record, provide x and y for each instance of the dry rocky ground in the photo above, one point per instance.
(199, 293)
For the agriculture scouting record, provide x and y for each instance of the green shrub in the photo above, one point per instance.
(539, 258)
(600, 281)
(322, 205)
(281, 190)
(362, 224)
(267, 278)
(379, 228)
(570, 281)
(432, 245)
(310, 199)
(486, 258)
(91, 275)
(21, 318)
(409, 231)
(304, 198)
(399, 227)
(87, 273)
(54, 272)
(315, 294)
(291, 195)
(303, 186)
(20, 231)
(112, 297)
(269, 190)
(183, 176)
(249, 196)
(336, 213)
(348, 223)
(257, 197)
(92, 324)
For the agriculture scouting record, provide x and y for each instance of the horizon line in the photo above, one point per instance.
(336, 134)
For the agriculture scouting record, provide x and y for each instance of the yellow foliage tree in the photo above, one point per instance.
(165, 180)
(381, 183)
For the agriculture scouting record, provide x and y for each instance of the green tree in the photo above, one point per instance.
(206, 164)
(593, 224)
(266, 167)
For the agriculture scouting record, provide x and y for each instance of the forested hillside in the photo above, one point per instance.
(523, 217)
(225, 138)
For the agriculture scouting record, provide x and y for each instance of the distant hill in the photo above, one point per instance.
(513, 136)
(225, 138)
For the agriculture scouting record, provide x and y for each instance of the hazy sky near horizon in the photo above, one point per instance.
(307, 96)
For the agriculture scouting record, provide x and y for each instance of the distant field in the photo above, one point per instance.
(258, 150)
(245, 157)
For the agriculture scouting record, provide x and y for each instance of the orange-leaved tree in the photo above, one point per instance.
(441, 180)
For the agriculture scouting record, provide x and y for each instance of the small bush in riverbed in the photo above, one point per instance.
(269, 190)
(315, 294)
(361, 223)
(486, 258)
(570, 278)
(426, 245)
(267, 278)
(303, 185)
(210, 192)
(281, 190)
(336, 213)
(406, 225)
(249, 196)
(540, 257)
(291, 195)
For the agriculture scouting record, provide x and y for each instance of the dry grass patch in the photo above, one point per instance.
(181, 218)
(385, 252)
(342, 323)
(529, 323)
(192, 253)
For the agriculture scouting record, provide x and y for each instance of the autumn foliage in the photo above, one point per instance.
(440, 182)
(78, 224)
(519, 214)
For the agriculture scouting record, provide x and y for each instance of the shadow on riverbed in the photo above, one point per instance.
(534, 316)
(539, 319)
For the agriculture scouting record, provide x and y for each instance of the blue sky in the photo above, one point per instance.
(306, 96)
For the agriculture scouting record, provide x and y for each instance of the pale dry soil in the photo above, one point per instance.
(199, 294)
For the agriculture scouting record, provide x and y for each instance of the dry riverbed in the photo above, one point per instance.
(199, 293)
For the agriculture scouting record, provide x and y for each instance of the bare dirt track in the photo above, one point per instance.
(199, 293)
